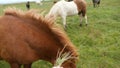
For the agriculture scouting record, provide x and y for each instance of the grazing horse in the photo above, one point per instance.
(64, 8)
(26, 37)
(96, 2)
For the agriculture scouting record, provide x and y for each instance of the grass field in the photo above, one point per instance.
(98, 44)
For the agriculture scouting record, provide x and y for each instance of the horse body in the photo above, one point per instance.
(25, 38)
(96, 2)
(69, 10)
(64, 8)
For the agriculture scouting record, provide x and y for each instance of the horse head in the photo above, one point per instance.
(65, 60)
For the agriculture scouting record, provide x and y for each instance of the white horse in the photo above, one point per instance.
(64, 8)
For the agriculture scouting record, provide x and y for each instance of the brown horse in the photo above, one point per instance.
(26, 37)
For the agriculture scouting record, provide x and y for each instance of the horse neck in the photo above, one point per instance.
(41, 39)
(45, 41)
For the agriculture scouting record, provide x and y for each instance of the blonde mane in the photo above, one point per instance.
(47, 23)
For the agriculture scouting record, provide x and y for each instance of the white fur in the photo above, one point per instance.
(63, 9)
(58, 67)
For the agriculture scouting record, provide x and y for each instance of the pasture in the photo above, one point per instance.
(98, 44)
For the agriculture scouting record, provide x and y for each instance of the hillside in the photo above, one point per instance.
(98, 44)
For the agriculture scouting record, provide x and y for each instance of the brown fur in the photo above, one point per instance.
(26, 37)
(81, 4)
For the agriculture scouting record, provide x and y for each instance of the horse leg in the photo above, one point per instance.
(83, 11)
(15, 65)
(81, 18)
(94, 5)
(98, 3)
(64, 21)
(86, 20)
(27, 65)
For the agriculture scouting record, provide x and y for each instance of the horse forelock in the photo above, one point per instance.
(48, 23)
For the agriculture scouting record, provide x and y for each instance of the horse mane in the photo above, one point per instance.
(47, 23)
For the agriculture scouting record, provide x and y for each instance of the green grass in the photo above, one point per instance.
(98, 44)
